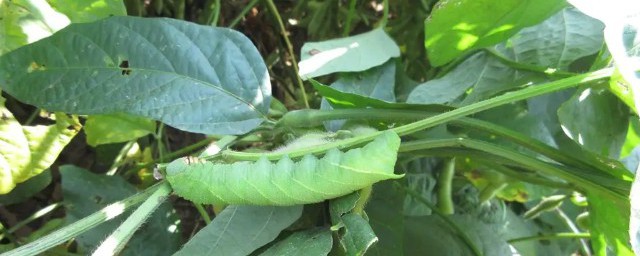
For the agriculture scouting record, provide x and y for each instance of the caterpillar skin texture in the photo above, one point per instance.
(286, 182)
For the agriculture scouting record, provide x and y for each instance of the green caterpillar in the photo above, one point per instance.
(286, 182)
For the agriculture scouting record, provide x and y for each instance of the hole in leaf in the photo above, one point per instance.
(124, 66)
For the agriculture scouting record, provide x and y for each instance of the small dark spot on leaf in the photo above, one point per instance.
(314, 52)
(124, 66)
(97, 199)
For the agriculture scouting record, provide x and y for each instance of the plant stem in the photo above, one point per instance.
(317, 117)
(294, 62)
(216, 14)
(533, 163)
(550, 237)
(474, 249)
(429, 122)
(36, 215)
(496, 160)
(347, 23)
(445, 201)
(385, 14)
(244, 12)
(113, 244)
(180, 6)
(203, 213)
(215, 148)
(527, 67)
(365, 194)
(61, 235)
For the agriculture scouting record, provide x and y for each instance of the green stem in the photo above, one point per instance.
(550, 237)
(294, 62)
(180, 7)
(120, 158)
(525, 174)
(444, 217)
(61, 235)
(527, 67)
(216, 14)
(175, 154)
(347, 23)
(429, 122)
(567, 174)
(32, 117)
(445, 201)
(203, 213)
(36, 215)
(385, 13)
(311, 117)
(244, 12)
(113, 244)
(365, 194)
(215, 148)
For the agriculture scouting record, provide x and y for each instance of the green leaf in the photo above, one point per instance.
(609, 224)
(622, 35)
(358, 236)
(377, 82)
(239, 230)
(266, 183)
(114, 128)
(310, 242)
(349, 54)
(24, 22)
(27, 189)
(342, 205)
(340, 99)
(453, 30)
(557, 42)
(138, 66)
(430, 233)
(385, 217)
(26, 151)
(89, 10)
(481, 71)
(85, 193)
(595, 119)
(568, 36)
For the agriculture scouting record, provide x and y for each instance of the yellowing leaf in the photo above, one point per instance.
(26, 151)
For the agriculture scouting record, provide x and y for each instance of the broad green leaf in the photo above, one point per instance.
(385, 217)
(481, 71)
(557, 42)
(27, 189)
(195, 78)
(85, 193)
(609, 226)
(568, 36)
(340, 99)
(622, 34)
(89, 10)
(458, 26)
(358, 236)
(595, 119)
(310, 242)
(349, 54)
(114, 128)
(26, 151)
(377, 82)
(239, 230)
(27, 21)
(265, 183)
(432, 234)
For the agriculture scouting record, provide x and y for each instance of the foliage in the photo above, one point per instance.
(506, 123)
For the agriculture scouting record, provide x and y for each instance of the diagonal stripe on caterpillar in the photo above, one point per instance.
(286, 182)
